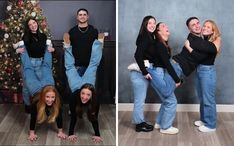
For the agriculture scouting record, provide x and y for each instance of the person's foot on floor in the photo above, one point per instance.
(144, 127)
(203, 128)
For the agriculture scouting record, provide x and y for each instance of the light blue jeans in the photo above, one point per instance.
(34, 83)
(36, 63)
(167, 110)
(139, 86)
(165, 83)
(206, 86)
(75, 81)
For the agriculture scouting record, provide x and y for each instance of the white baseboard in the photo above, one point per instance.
(180, 107)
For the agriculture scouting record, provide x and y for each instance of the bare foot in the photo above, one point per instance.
(101, 37)
(66, 38)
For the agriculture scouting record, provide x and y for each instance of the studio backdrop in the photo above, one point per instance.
(175, 14)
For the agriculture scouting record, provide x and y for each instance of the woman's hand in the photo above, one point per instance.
(19, 50)
(187, 46)
(51, 49)
(148, 77)
(32, 136)
(97, 139)
(72, 138)
(61, 134)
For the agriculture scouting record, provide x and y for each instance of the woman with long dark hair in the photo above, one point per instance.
(35, 43)
(82, 87)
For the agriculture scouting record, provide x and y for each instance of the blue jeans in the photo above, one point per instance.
(165, 84)
(75, 80)
(206, 85)
(167, 110)
(139, 86)
(36, 63)
(34, 83)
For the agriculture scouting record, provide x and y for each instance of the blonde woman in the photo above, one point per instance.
(206, 79)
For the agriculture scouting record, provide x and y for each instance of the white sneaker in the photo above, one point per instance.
(171, 130)
(156, 126)
(198, 123)
(206, 129)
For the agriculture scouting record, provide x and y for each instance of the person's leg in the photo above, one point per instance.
(96, 55)
(74, 80)
(199, 94)
(31, 80)
(25, 92)
(72, 106)
(169, 111)
(207, 76)
(46, 69)
(166, 85)
(139, 86)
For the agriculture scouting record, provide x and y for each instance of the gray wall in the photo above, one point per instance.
(61, 15)
(175, 13)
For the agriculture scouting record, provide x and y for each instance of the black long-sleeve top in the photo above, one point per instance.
(82, 42)
(206, 52)
(35, 44)
(73, 103)
(189, 61)
(144, 51)
(59, 119)
(162, 59)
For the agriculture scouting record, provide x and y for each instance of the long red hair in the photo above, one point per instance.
(41, 105)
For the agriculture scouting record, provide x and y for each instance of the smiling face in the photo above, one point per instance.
(207, 29)
(50, 98)
(163, 29)
(195, 26)
(85, 95)
(151, 25)
(82, 16)
(33, 26)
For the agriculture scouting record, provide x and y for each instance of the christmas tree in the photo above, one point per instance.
(12, 29)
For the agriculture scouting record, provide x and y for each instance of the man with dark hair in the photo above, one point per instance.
(82, 37)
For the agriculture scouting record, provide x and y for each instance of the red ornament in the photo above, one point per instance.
(20, 3)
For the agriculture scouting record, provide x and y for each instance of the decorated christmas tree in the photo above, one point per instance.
(12, 29)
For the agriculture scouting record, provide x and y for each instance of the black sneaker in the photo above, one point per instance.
(148, 125)
(144, 127)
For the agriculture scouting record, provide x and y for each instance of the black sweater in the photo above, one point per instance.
(82, 42)
(73, 104)
(206, 52)
(59, 119)
(35, 44)
(189, 61)
(162, 59)
(144, 51)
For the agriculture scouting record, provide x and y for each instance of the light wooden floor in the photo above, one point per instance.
(14, 127)
(188, 135)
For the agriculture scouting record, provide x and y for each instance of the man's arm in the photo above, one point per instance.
(197, 43)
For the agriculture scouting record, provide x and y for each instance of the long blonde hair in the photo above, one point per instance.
(215, 29)
(216, 32)
(41, 105)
